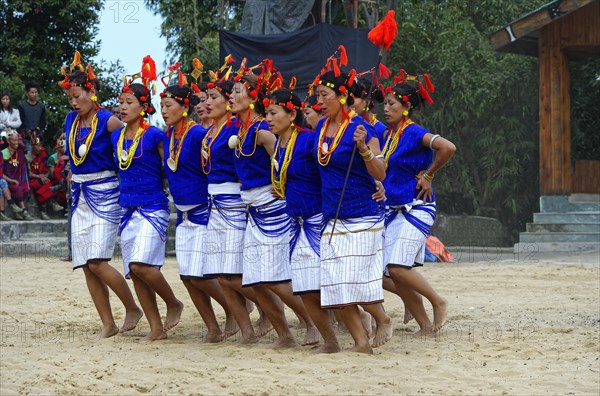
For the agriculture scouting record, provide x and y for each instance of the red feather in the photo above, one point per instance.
(428, 83)
(402, 76)
(424, 94)
(384, 33)
(343, 56)
(148, 69)
(336, 69)
(384, 72)
(351, 77)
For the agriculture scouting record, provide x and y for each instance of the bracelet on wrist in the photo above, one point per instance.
(428, 177)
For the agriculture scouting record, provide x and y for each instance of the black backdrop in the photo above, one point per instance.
(301, 53)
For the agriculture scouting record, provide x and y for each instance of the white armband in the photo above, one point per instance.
(431, 141)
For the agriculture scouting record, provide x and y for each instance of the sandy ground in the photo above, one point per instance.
(517, 325)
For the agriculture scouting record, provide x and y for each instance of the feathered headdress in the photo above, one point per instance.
(148, 76)
(334, 62)
(77, 65)
(277, 85)
(173, 70)
(423, 91)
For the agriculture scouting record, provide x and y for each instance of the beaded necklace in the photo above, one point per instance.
(392, 141)
(242, 134)
(174, 153)
(84, 149)
(206, 149)
(280, 180)
(324, 151)
(126, 156)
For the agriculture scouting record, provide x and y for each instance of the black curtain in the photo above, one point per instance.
(301, 53)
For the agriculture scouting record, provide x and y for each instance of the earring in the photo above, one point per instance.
(185, 114)
(405, 113)
(94, 98)
(142, 113)
(343, 101)
(251, 106)
(228, 108)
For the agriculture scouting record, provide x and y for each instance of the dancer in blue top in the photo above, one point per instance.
(138, 149)
(95, 196)
(266, 241)
(360, 93)
(351, 262)
(411, 167)
(312, 112)
(295, 177)
(188, 186)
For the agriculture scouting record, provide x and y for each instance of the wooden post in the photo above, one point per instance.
(555, 108)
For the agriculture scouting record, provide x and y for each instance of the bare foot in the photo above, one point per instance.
(367, 322)
(407, 315)
(248, 336)
(329, 347)
(131, 320)
(286, 342)
(213, 337)
(439, 314)
(109, 331)
(312, 336)
(264, 326)
(383, 333)
(173, 316)
(156, 335)
(362, 348)
(231, 327)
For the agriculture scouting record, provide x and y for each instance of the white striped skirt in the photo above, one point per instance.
(305, 241)
(141, 242)
(266, 240)
(405, 235)
(224, 241)
(189, 244)
(95, 217)
(352, 265)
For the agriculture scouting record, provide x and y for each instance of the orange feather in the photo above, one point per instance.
(384, 33)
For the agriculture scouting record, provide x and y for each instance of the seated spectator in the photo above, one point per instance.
(9, 115)
(5, 193)
(39, 181)
(58, 167)
(15, 174)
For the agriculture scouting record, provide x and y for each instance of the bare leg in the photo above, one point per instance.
(321, 318)
(284, 291)
(389, 285)
(147, 299)
(232, 289)
(385, 327)
(203, 305)
(351, 318)
(214, 290)
(276, 315)
(155, 280)
(116, 282)
(99, 293)
(412, 279)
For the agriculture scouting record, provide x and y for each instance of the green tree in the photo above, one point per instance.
(36, 38)
(191, 28)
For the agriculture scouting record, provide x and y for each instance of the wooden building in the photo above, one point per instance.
(557, 32)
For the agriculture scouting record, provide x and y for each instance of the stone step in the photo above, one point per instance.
(534, 237)
(531, 249)
(584, 198)
(572, 217)
(40, 249)
(563, 227)
(13, 230)
(565, 204)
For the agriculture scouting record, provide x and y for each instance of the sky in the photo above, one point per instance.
(128, 32)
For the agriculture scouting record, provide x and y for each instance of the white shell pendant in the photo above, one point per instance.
(82, 150)
(276, 164)
(325, 146)
(124, 155)
(204, 154)
(233, 141)
(171, 164)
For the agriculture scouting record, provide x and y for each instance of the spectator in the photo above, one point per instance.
(33, 115)
(15, 174)
(5, 193)
(116, 111)
(39, 179)
(9, 116)
(58, 167)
